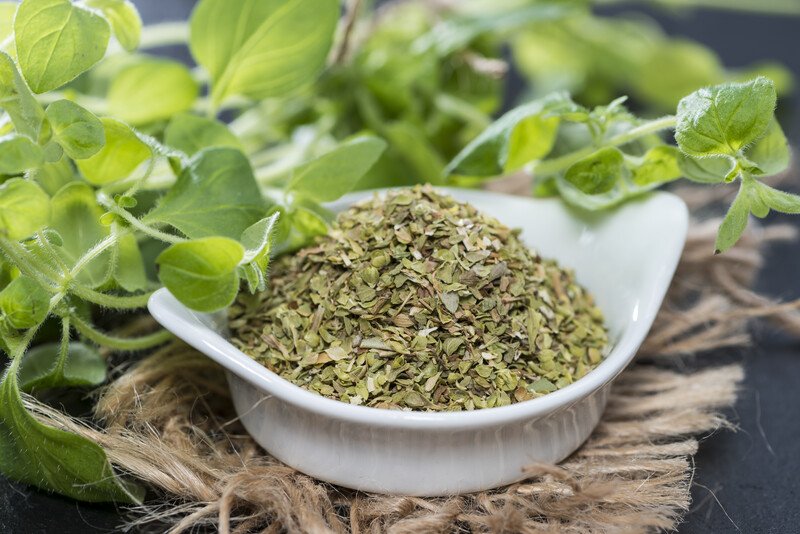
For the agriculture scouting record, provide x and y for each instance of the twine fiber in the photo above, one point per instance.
(168, 421)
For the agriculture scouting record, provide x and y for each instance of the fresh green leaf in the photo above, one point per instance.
(151, 90)
(40, 367)
(660, 164)
(24, 208)
(129, 270)
(735, 221)
(24, 303)
(52, 152)
(17, 100)
(778, 200)
(257, 241)
(598, 173)
(77, 130)
(124, 20)
(216, 195)
(119, 157)
(57, 41)
(257, 238)
(202, 273)
(708, 170)
(54, 459)
(725, 118)
(770, 153)
(262, 48)
(333, 174)
(192, 133)
(18, 154)
(522, 135)
(76, 217)
(53, 176)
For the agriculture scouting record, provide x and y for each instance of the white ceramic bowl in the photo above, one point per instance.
(626, 258)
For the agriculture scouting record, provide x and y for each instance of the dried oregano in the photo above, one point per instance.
(417, 301)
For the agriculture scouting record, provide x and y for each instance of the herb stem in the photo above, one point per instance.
(92, 253)
(120, 343)
(562, 163)
(63, 351)
(18, 255)
(51, 252)
(112, 206)
(127, 302)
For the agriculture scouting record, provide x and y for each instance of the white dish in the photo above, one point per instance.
(626, 258)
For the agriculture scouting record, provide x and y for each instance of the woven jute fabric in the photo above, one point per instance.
(167, 420)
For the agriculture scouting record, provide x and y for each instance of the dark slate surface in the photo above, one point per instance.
(745, 481)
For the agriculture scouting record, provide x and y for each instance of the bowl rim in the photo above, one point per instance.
(188, 325)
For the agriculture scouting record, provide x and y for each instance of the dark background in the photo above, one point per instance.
(745, 481)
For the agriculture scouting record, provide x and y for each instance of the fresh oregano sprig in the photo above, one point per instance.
(598, 158)
(92, 205)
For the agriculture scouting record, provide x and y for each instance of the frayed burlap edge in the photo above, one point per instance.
(168, 421)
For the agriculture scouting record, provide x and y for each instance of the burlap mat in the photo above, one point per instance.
(168, 421)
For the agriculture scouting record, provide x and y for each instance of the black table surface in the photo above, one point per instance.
(745, 481)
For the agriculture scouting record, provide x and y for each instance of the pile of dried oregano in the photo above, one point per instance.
(417, 301)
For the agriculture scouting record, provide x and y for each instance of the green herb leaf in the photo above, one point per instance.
(24, 208)
(735, 221)
(725, 118)
(770, 153)
(40, 367)
(257, 241)
(192, 133)
(77, 130)
(660, 164)
(18, 154)
(54, 459)
(124, 20)
(17, 100)
(202, 273)
(216, 195)
(76, 217)
(522, 135)
(56, 41)
(24, 303)
(333, 174)
(778, 200)
(119, 157)
(151, 90)
(708, 170)
(262, 48)
(598, 173)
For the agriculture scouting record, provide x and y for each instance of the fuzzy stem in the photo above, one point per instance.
(111, 206)
(128, 302)
(562, 163)
(92, 253)
(120, 343)
(20, 257)
(63, 351)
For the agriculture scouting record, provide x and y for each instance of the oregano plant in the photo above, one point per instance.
(598, 158)
(92, 197)
(122, 172)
